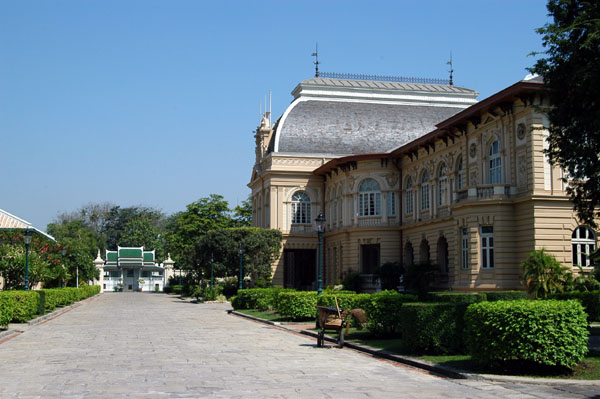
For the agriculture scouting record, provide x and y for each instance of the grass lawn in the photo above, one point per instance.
(588, 369)
(270, 315)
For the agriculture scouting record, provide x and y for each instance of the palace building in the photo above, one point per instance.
(411, 172)
(133, 269)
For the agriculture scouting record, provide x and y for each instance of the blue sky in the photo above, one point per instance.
(154, 102)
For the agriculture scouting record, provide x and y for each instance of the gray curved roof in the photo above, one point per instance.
(350, 127)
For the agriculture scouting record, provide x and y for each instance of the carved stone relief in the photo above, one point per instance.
(391, 179)
(521, 131)
(473, 150)
(474, 176)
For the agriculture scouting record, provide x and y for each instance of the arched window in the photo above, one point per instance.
(409, 257)
(425, 191)
(442, 185)
(495, 163)
(583, 243)
(460, 175)
(301, 208)
(424, 251)
(408, 199)
(369, 198)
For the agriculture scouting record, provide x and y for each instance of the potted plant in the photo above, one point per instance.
(140, 284)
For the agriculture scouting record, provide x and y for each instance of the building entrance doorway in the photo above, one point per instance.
(369, 258)
(300, 268)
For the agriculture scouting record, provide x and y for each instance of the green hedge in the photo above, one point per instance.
(456, 297)
(258, 298)
(434, 328)
(383, 311)
(21, 306)
(297, 305)
(548, 332)
(590, 301)
(7, 306)
(493, 296)
(345, 300)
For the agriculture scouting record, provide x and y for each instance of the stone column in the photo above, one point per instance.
(99, 264)
(169, 271)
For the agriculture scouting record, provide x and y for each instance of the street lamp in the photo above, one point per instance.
(320, 224)
(62, 278)
(241, 253)
(27, 238)
(212, 278)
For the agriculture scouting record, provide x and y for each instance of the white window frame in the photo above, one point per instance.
(425, 191)
(442, 186)
(369, 200)
(460, 175)
(391, 203)
(583, 243)
(301, 208)
(465, 248)
(487, 247)
(409, 204)
(495, 163)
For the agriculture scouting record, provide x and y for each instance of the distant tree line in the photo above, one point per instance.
(207, 230)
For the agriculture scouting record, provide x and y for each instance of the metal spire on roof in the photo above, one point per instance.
(451, 69)
(316, 55)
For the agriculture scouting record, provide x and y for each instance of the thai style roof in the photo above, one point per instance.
(130, 257)
(345, 117)
(9, 221)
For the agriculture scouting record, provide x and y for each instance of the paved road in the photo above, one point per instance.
(156, 346)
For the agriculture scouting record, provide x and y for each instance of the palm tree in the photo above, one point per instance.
(544, 275)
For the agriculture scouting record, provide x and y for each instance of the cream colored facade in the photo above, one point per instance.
(474, 195)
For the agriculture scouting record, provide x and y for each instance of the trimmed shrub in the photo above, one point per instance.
(26, 305)
(547, 332)
(590, 301)
(493, 296)
(456, 297)
(297, 305)
(434, 328)
(345, 300)
(383, 311)
(257, 298)
(7, 308)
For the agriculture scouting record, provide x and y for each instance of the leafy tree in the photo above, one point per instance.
(119, 218)
(543, 275)
(260, 248)
(418, 277)
(81, 244)
(187, 227)
(571, 72)
(242, 214)
(12, 260)
(140, 231)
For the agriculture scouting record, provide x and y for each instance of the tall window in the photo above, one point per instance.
(300, 207)
(369, 198)
(340, 204)
(425, 191)
(465, 248)
(442, 185)
(495, 163)
(391, 203)
(408, 206)
(460, 175)
(487, 247)
(583, 242)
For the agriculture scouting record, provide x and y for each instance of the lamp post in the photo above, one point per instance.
(27, 238)
(212, 278)
(62, 278)
(241, 253)
(320, 224)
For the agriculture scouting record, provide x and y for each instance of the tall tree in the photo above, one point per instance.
(242, 214)
(571, 72)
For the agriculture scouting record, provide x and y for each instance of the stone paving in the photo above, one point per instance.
(136, 345)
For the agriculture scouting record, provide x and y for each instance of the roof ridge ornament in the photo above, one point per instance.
(451, 69)
(316, 55)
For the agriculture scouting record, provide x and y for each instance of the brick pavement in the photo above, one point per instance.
(138, 345)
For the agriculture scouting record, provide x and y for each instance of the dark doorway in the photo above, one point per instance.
(300, 268)
(442, 255)
(369, 258)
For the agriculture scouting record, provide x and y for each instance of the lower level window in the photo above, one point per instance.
(465, 248)
(487, 247)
